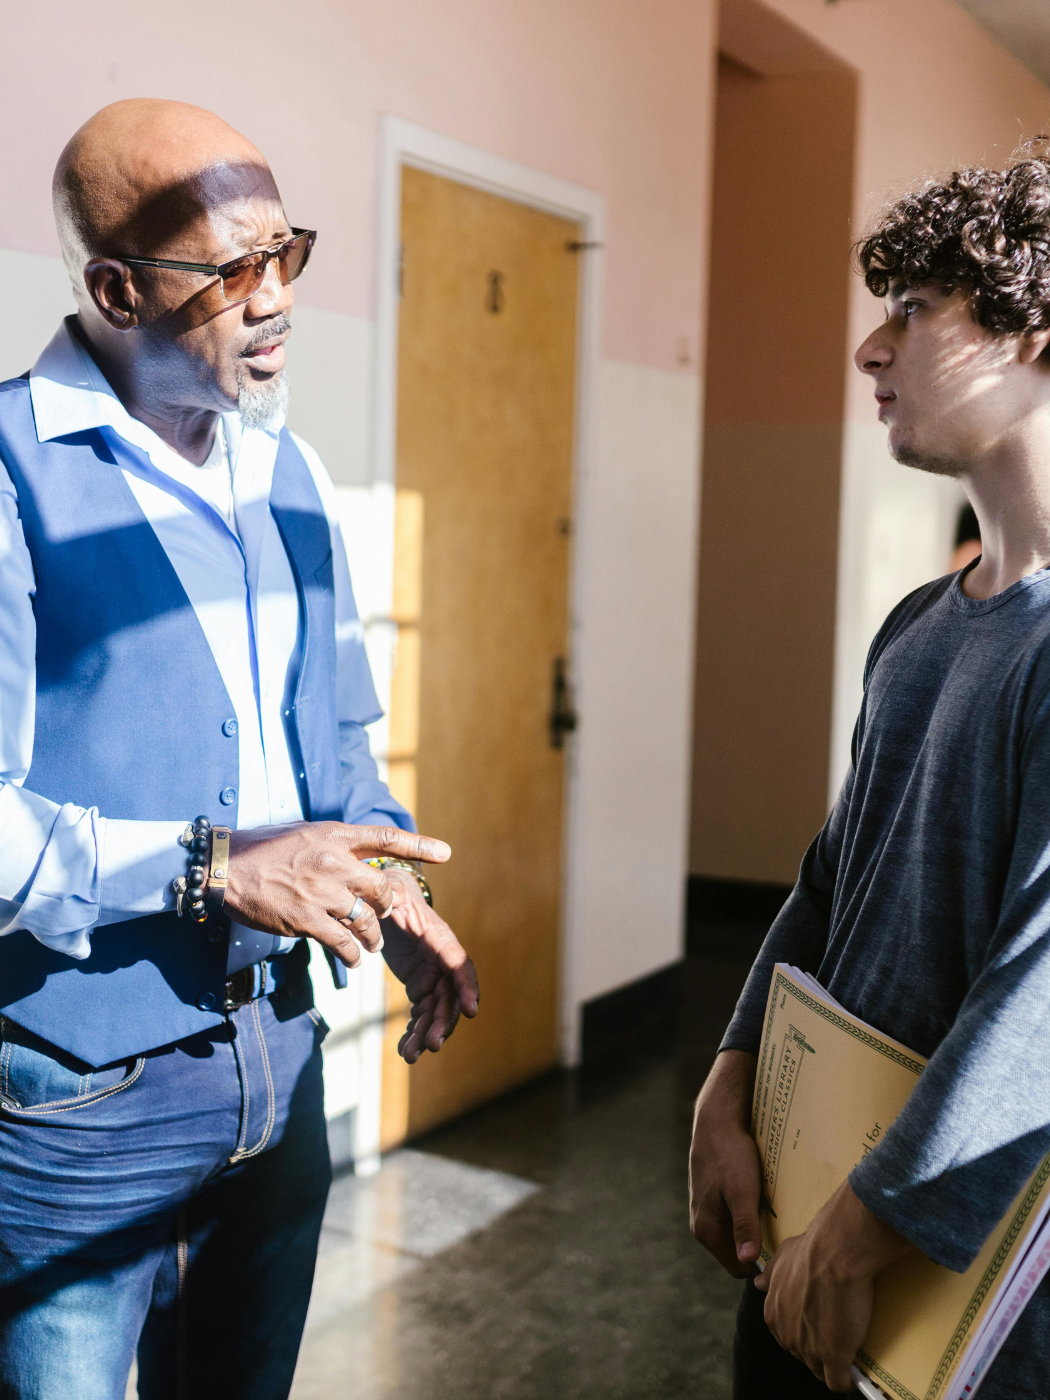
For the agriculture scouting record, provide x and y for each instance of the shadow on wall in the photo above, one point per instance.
(776, 351)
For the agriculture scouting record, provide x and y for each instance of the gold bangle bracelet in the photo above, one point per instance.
(219, 871)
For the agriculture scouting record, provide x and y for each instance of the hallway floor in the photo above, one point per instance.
(537, 1248)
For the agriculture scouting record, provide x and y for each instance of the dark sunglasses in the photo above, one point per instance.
(241, 278)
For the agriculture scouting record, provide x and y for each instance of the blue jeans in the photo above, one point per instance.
(171, 1204)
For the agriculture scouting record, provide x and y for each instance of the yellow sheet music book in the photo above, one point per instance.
(827, 1088)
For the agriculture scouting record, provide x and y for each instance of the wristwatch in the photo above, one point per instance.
(394, 863)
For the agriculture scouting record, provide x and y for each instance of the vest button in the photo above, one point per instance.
(216, 935)
(228, 796)
(229, 727)
(206, 1001)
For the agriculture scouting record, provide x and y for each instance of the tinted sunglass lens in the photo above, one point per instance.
(292, 256)
(243, 279)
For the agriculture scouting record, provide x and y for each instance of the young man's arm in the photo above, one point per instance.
(974, 1130)
(978, 1121)
(723, 1162)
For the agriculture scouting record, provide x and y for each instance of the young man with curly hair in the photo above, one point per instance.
(924, 903)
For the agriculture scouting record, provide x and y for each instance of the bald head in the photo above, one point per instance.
(140, 172)
(148, 179)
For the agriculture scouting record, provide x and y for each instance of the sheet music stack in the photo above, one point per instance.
(828, 1087)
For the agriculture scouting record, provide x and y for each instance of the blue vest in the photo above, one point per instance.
(130, 709)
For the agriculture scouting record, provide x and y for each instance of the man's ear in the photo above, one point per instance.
(1032, 345)
(110, 287)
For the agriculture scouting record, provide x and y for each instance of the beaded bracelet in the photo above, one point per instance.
(393, 863)
(204, 884)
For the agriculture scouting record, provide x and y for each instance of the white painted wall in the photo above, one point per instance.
(634, 667)
(896, 530)
(37, 296)
(331, 362)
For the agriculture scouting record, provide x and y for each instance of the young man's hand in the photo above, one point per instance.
(820, 1286)
(304, 880)
(423, 953)
(724, 1172)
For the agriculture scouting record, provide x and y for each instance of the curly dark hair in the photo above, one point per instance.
(985, 232)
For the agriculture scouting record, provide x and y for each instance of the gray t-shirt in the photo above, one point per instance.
(923, 906)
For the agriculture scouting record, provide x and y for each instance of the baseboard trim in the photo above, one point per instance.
(710, 897)
(724, 918)
(730, 918)
(642, 1014)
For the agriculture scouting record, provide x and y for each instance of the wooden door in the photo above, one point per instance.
(487, 348)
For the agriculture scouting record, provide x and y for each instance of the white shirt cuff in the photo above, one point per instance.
(49, 876)
(64, 869)
(139, 862)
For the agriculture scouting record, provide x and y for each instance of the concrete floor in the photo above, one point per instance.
(538, 1248)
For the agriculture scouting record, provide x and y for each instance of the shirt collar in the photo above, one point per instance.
(70, 394)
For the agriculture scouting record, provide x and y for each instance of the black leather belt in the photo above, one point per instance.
(240, 988)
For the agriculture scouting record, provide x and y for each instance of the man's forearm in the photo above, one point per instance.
(728, 1089)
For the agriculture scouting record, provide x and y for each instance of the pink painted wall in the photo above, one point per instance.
(936, 91)
(611, 94)
(779, 673)
(616, 95)
(772, 460)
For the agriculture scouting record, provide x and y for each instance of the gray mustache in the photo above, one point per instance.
(278, 326)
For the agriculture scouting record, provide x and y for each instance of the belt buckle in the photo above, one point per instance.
(240, 988)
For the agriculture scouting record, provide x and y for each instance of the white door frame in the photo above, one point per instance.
(404, 143)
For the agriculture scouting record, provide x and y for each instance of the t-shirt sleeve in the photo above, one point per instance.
(978, 1121)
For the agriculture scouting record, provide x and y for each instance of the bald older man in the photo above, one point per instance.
(186, 792)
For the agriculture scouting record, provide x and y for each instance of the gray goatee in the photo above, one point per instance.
(261, 403)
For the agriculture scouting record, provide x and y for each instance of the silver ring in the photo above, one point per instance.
(356, 912)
